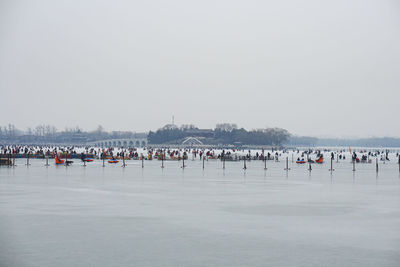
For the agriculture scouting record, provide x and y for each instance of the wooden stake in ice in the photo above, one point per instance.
(66, 159)
(331, 169)
(399, 163)
(265, 163)
(287, 164)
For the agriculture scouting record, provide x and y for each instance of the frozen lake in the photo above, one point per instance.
(114, 216)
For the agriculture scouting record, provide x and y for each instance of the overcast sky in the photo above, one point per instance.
(321, 68)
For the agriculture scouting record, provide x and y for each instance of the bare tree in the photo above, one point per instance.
(188, 126)
(39, 130)
(227, 127)
(100, 129)
(11, 130)
(29, 131)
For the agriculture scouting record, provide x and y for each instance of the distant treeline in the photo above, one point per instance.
(222, 134)
(47, 134)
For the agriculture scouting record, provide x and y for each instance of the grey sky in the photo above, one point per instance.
(324, 68)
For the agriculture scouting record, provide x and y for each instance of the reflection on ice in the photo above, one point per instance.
(152, 216)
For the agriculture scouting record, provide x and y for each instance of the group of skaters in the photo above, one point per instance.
(186, 153)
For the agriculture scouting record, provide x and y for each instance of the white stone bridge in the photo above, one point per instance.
(122, 142)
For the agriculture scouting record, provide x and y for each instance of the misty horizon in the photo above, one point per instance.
(31, 130)
(315, 69)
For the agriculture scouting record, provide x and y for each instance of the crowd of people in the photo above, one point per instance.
(309, 155)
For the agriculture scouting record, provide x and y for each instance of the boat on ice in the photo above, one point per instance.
(113, 161)
(364, 159)
(5, 161)
(59, 161)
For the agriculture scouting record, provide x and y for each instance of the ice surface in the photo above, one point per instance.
(114, 216)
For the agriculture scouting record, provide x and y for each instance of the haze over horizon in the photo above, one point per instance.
(325, 69)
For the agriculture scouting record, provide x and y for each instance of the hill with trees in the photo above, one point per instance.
(222, 134)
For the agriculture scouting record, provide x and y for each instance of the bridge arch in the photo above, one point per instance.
(126, 142)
